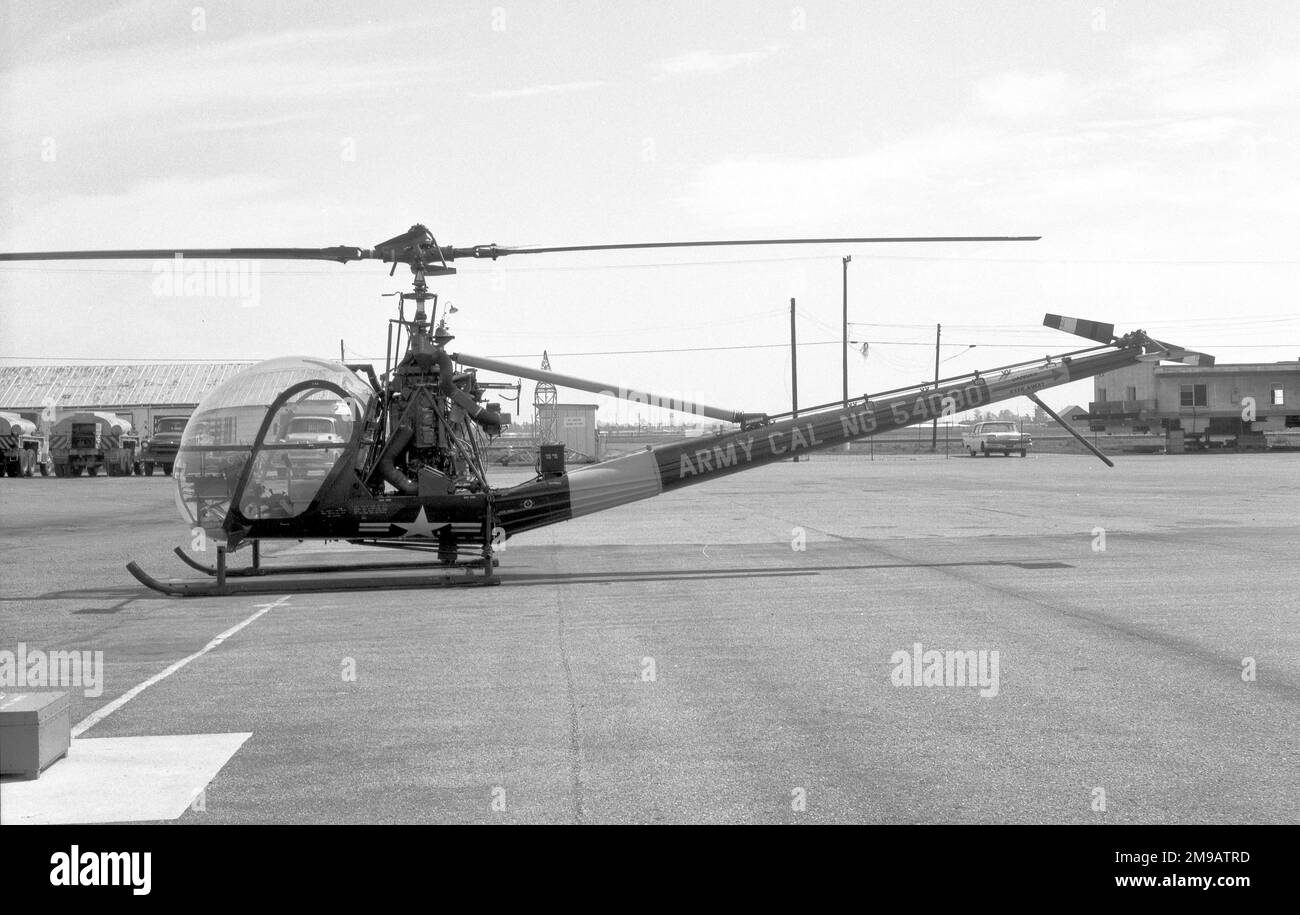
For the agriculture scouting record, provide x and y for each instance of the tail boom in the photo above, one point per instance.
(648, 473)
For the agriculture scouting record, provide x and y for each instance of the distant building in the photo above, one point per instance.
(575, 428)
(1072, 414)
(142, 394)
(1223, 401)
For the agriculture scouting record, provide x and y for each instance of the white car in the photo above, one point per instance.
(998, 436)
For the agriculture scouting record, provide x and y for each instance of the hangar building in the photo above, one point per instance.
(1234, 404)
(142, 394)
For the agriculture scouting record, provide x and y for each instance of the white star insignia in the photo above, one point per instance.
(421, 527)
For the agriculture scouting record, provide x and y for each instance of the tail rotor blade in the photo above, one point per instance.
(1089, 330)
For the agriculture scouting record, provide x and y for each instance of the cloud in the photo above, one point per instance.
(1191, 131)
(1188, 73)
(1022, 95)
(146, 25)
(1274, 83)
(157, 212)
(1177, 130)
(541, 89)
(217, 124)
(710, 62)
(150, 85)
(887, 186)
(1177, 55)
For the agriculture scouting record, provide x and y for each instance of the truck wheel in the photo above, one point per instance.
(11, 468)
(92, 470)
(45, 470)
(972, 452)
(74, 470)
(984, 450)
(148, 468)
(167, 469)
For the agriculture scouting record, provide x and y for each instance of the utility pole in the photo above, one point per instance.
(934, 428)
(848, 446)
(847, 258)
(794, 370)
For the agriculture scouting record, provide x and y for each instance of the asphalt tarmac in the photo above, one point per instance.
(740, 651)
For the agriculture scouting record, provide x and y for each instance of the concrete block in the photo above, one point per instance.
(35, 730)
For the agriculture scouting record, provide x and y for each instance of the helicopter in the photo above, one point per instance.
(305, 448)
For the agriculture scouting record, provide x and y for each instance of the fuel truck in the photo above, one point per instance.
(23, 448)
(92, 442)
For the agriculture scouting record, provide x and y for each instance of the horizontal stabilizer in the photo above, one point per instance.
(1192, 358)
(1168, 352)
(1091, 330)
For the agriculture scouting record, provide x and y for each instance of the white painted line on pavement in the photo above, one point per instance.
(96, 717)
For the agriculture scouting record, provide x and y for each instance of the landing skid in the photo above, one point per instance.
(257, 569)
(315, 578)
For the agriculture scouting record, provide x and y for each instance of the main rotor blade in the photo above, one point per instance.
(339, 254)
(495, 251)
(417, 245)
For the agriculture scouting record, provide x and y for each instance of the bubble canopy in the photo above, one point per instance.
(264, 444)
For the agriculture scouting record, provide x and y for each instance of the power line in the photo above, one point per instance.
(1278, 318)
(1068, 261)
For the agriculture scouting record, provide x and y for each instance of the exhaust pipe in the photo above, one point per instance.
(484, 417)
(388, 470)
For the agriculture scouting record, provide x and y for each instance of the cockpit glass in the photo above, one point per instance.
(270, 455)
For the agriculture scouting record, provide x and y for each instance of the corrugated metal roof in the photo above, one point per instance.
(33, 386)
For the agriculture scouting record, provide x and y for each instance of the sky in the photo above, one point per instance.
(1153, 145)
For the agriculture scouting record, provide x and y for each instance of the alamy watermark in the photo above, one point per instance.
(210, 278)
(32, 668)
(932, 667)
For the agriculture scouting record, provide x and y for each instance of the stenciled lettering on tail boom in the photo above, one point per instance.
(653, 471)
(680, 464)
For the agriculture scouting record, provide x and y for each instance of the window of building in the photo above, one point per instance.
(1101, 395)
(1279, 399)
(1293, 422)
(1191, 395)
(1131, 393)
